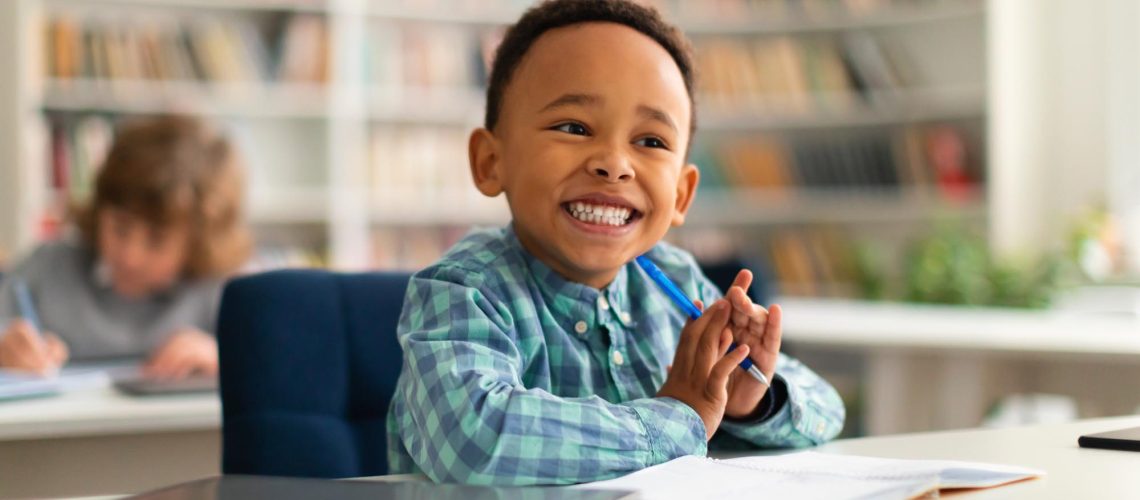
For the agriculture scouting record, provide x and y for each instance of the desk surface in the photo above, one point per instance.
(892, 325)
(1072, 472)
(103, 411)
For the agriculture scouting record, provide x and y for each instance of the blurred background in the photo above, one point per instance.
(945, 194)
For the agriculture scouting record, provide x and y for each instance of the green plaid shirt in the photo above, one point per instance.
(513, 375)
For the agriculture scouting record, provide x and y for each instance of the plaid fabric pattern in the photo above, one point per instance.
(513, 375)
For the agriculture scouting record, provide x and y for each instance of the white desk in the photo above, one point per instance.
(1071, 471)
(941, 367)
(97, 441)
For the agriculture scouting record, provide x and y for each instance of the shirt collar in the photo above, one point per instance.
(570, 299)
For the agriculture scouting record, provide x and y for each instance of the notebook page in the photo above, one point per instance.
(695, 477)
(951, 474)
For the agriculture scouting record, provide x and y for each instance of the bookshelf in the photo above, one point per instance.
(357, 153)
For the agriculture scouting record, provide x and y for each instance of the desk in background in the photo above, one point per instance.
(98, 441)
(925, 367)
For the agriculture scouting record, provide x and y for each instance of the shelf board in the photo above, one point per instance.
(454, 106)
(149, 97)
(245, 5)
(879, 109)
(464, 107)
(449, 207)
(741, 207)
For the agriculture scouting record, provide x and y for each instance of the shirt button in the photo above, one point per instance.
(618, 358)
(603, 304)
(625, 317)
(580, 327)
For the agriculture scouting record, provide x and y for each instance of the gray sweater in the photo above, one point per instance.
(76, 304)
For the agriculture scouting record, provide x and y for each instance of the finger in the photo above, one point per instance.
(700, 305)
(56, 349)
(743, 279)
(773, 333)
(31, 351)
(690, 338)
(741, 307)
(706, 354)
(159, 364)
(725, 342)
(718, 377)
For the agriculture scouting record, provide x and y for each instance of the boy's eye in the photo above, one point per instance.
(572, 128)
(651, 142)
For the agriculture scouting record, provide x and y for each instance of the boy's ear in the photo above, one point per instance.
(686, 191)
(483, 155)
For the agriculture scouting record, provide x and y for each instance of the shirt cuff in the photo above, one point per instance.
(772, 402)
(674, 429)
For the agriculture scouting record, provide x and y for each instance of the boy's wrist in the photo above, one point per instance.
(774, 398)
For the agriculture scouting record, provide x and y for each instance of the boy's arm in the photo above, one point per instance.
(804, 410)
(464, 414)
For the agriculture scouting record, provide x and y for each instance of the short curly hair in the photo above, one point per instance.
(170, 170)
(559, 13)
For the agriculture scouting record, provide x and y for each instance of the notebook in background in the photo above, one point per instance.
(19, 385)
(810, 475)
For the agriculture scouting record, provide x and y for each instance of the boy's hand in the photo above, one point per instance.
(21, 348)
(760, 330)
(189, 351)
(700, 370)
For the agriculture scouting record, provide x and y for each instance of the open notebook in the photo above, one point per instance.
(810, 475)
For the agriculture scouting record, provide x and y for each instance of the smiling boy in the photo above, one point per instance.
(539, 353)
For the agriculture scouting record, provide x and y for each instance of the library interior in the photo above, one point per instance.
(943, 197)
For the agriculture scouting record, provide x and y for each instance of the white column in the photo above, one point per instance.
(1124, 123)
(349, 228)
(1015, 72)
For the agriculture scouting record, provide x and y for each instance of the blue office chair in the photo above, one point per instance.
(309, 361)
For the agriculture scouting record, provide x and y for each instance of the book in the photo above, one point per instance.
(811, 475)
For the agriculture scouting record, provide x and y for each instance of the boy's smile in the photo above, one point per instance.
(590, 149)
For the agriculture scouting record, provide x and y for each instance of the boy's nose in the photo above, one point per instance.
(611, 166)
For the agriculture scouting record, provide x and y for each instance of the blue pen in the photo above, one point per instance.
(24, 301)
(678, 297)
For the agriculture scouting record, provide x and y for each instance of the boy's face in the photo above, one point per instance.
(590, 149)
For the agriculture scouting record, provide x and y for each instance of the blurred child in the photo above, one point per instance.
(143, 275)
(540, 353)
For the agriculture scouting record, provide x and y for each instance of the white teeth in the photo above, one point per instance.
(599, 214)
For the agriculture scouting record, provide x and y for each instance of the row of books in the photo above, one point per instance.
(420, 56)
(76, 150)
(209, 49)
(797, 75)
(420, 165)
(705, 10)
(412, 248)
(925, 159)
(809, 261)
(794, 10)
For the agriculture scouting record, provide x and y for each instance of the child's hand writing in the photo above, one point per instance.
(760, 330)
(700, 372)
(21, 348)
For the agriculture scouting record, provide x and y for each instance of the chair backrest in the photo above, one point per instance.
(309, 361)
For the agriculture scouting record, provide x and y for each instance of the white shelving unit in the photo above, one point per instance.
(308, 145)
